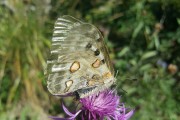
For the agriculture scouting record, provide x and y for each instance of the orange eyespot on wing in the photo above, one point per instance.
(97, 63)
(68, 85)
(107, 75)
(75, 66)
(91, 83)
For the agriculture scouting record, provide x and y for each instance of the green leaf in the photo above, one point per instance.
(138, 29)
(123, 51)
(148, 55)
(178, 21)
(156, 41)
(145, 67)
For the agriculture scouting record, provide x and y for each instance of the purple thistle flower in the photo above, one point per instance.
(97, 107)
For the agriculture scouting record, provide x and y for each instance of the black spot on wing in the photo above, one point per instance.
(102, 61)
(97, 52)
(100, 39)
(89, 45)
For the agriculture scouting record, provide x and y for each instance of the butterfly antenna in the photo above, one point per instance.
(124, 90)
(115, 86)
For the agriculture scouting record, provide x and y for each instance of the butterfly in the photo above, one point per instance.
(79, 61)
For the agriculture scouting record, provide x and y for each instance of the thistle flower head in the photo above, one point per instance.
(106, 104)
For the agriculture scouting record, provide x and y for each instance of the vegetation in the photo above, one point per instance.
(143, 37)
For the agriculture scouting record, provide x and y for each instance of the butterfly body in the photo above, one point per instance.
(78, 61)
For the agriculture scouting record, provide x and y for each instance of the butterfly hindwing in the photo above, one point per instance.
(78, 60)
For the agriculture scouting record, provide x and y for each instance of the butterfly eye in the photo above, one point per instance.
(77, 95)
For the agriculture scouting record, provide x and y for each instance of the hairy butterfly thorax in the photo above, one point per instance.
(78, 62)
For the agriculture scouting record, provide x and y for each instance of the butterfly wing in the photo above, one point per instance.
(78, 59)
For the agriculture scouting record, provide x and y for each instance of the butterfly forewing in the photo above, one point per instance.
(78, 60)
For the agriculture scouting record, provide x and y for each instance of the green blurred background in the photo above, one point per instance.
(143, 37)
